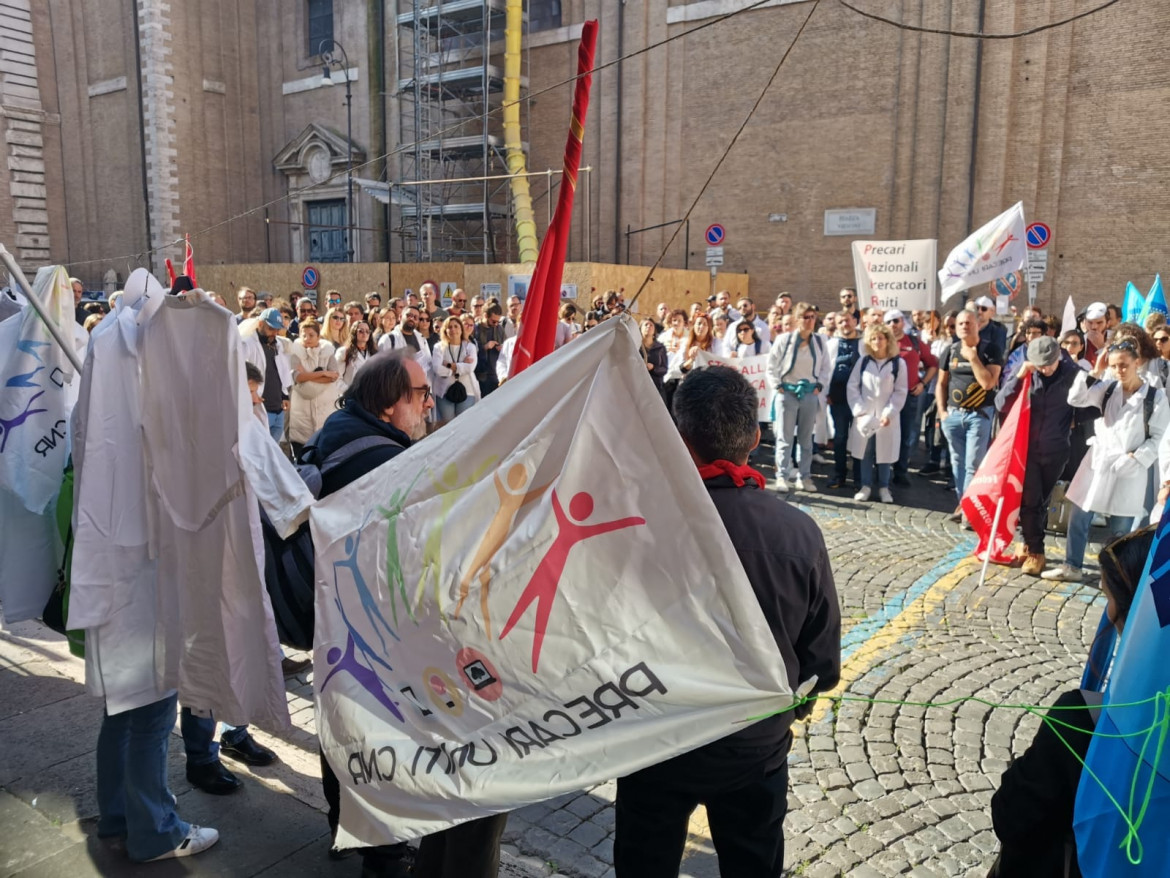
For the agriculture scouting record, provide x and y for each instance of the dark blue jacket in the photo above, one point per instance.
(341, 428)
(1052, 416)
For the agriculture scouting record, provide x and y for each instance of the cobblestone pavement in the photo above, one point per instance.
(890, 789)
(876, 788)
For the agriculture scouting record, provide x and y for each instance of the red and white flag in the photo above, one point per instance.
(1000, 480)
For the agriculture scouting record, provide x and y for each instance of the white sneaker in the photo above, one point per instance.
(863, 494)
(781, 485)
(199, 839)
(885, 494)
(819, 458)
(1063, 573)
(798, 484)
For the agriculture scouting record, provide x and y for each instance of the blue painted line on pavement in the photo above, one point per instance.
(866, 628)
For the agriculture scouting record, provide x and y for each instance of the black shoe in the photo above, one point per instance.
(213, 778)
(900, 479)
(248, 751)
(930, 469)
(835, 485)
(291, 667)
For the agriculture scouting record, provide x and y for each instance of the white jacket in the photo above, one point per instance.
(441, 356)
(874, 394)
(254, 353)
(311, 402)
(1108, 480)
(783, 354)
(395, 340)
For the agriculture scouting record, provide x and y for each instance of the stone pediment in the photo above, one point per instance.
(318, 152)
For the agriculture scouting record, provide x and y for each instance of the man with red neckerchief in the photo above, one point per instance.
(742, 779)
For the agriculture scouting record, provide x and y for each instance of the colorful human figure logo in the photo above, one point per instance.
(511, 498)
(368, 601)
(395, 581)
(449, 489)
(542, 588)
(348, 661)
(7, 425)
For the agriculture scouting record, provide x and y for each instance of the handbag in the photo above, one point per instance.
(456, 392)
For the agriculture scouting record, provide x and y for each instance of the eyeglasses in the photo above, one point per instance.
(809, 316)
(425, 391)
(337, 317)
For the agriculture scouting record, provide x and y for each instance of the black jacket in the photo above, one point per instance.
(342, 427)
(784, 555)
(1052, 416)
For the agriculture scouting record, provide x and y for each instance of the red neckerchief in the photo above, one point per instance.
(739, 474)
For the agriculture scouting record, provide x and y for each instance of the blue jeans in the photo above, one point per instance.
(448, 410)
(132, 794)
(795, 419)
(869, 462)
(968, 434)
(911, 421)
(276, 425)
(1078, 533)
(199, 737)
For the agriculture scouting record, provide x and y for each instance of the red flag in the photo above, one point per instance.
(1000, 479)
(189, 262)
(170, 270)
(538, 330)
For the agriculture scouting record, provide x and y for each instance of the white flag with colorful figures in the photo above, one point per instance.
(995, 249)
(537, 598)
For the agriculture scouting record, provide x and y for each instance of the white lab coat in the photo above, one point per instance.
(311, 402)
(348, 372)
(444, 354)
(504, 361)
(254, 354)
(1108, 481)
(748, 350)
(875, 394)
(395, 340)
(208, 462)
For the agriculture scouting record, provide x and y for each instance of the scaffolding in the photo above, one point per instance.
(448, 82)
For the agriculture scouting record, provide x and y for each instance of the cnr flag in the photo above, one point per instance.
(994, 250)
(539, 599)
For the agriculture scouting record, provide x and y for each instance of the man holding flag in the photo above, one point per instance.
(1048, 437)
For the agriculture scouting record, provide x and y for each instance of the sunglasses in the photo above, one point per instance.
(897, 320)
(743, 329)
(337, 317)
(984, 308)
(1161, 338)
(1126, 345)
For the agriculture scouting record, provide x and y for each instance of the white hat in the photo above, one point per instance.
(893, 315)
(984, 302)
(1096, 311)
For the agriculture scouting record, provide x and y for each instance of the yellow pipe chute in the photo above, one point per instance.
(513, 145)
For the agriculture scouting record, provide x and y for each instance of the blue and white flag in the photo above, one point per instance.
(1155, 301)
(37, 393)
(1127, 837)
(1134, 305)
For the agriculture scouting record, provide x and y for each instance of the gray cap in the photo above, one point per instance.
(1043, 351)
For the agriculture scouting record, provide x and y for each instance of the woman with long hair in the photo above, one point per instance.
(653, 352)
(747, 342)
(315, 384)
(335, 327)
(453, 362)
(1032, 811)
(386, 321)
(427, 329)
(358, 348)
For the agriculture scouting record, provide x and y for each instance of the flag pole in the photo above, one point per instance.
(54, 330)
(990, 541)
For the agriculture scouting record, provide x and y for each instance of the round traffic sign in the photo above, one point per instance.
(1038, 235)
(715, 234)
(310, 278)
(1008, 285)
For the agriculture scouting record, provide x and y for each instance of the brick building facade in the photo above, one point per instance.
(125, 127)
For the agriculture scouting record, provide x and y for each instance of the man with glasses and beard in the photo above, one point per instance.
(406, 337)
(848, 299)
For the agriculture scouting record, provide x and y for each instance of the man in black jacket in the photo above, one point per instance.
(1048, 437)
(742, 779)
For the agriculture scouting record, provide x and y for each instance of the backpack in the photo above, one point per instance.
(289, 562)
(897, 364)
(1147, 404)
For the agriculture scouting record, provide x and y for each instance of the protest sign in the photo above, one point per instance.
(540, 599)
(895, 274)
(993, 250)
(754, 369)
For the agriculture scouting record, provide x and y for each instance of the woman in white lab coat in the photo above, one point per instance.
(876, 393)
(1113, 476)
(453, 361)
(315, 385)
(353, 355)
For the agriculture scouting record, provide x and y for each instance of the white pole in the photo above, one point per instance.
(994, 529)
(26, 288)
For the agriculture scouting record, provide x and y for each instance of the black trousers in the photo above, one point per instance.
(388, 860)
(842, 419)
(469, 850)
(1040, 477)
(747, 824)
